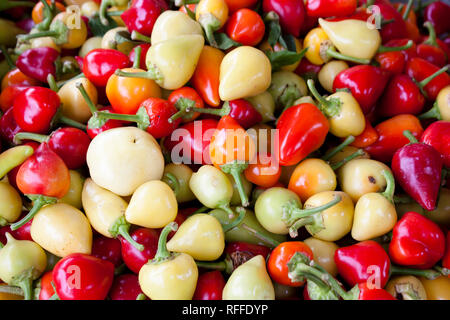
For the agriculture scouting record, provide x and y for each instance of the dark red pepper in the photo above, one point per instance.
(135, 259)
(437, 135)
(38, 63)
(125, 287)
(244, 113)
(108, 249)
(430, 49)
(330, 8)
(209, 286)
(291, 13)
(142, 14)
(437, 13)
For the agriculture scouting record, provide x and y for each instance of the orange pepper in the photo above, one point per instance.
(207, 74)
(367, 137)
(37, 14)
(264, 173)
(15, 77)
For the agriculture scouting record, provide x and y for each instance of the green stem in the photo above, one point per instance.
(429, 273)
(390, 185)
(137, 57)
(163, 253)
(144, 75)
(427, 80)
(120, 269)
(406, 291)
(224, 265)
(38, 202)
(291, 211)
(334, 54)
(354, 155)
(12, 290)
(103, 10)
(433, 113)
(86, 98)
(383, 49)
(52, 82)
(20, 136)
(431, 35)
(226, 207)
(141, 296)
(385, 22)
(408, 10)
(27, 287)
(236, 221)
(49, 13)
(331, 153)
(201, 210)
(72, 123)
(235, 169)
(49, 33)
(137, 36)
(272, 243)
(123, 231)
(410, 137)
(118, 116)
(400, 7)
(402, 199)
(8, 59)
(172, 181)
(6, 4)
(330, 107)
(60, 84)
(187, 108)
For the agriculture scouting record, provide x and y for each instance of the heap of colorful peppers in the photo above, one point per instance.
(115, 128)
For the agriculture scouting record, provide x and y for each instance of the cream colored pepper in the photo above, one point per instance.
(171, 24)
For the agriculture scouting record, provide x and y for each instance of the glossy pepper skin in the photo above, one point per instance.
(209, 286)
(38, 63)
(365, 82)
(244, 113)
(330, 8)
(83, 277)
(416, 242)
(437, 13)
(417, 168)
(302, 130)
(395, 61)
(125, 287)
(142, 14)
(437, 135)
(291, 13)
(107, 249)
(354, 262)
(135, 259)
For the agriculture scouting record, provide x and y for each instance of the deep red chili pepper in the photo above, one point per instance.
(395, 61)
(446, 258)
(246, 27)
(142, 14)
(135, 259)
(416, 242)
(8, 126)
(35, 108)
(302, 129)
(144, 49)
(209, 286)
(391, 138)
(420, 69)
(46, 291)
(106, 125)
(356, 263)
(192, 141)
(125, 287)
(291, 13)
(100, 64)
(366, 84)
(437, 135)
(307, 69)
(9, 94)
(82, 277)
(38, 63)
(244, 113)
(437, 13)
(430, 50)
(108, 249)
(71, 144)
(417, 169)
(330, 8)
(373, 293)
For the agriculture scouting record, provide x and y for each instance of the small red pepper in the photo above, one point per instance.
(144, 49)
(416, 242)
(125, 287)
(38, 63)
(437, 13)
(395, 61)
(291, 13)
(244, 113)
(142, 14)
(330, 8)
(209, 286)
(8, 126)
(437, 135)
(417, 169)
(82, 277)
(9, 94)
(246, 27)
(135, 259)
(108, 249)
(302, 129)
(308, 70)
(430, 49)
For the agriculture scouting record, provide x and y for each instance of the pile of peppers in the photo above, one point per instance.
(224, 150)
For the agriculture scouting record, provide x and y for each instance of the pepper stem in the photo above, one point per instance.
(137, 36)
(390, 186)
(151, 74)
(331, 153)
(235, 222)
(163, 253)
(8, 59)
(12, 290)
(407, 10)
(410, 136)
(86, 98)
(38, 202)
(354, 155)
(210, 24)
(27, 287)
(172, 181)
(224, 265)
(141, 117)
(137, 57)
(20, 136)
(272, 243)
(187, 108)
(406, 291)
(427, 80)
(41, 34)
(52, 82)
(330, 107)
(5, 5)
(235, 169)
(431, 35)
(331, 52)
(103, 9)
(201, 210)
(383, 49)
(71, 122)
(429, 273)
(433, 113)
(121, 227)
(141, 296)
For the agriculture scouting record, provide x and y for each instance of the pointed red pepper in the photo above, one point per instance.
(365, 82)
(244, 113)
(302, 129)
(416, 242)
(291, 13)
(142, 14)
(437, 135)
(437, 13)
(209, 286)
(330, 8)
(417, 168)
(38, 63)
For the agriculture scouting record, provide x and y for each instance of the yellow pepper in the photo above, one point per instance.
(314, 40)
(406, 288)
(212, 15)
(437, 289)
(10, 204)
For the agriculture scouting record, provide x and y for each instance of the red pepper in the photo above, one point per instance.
(46, 291)
(420, 70)
(209, 286)
(430, 49)
(307, 70)
(70, 144)
(291, 13)
(82, 277)
(192, 141)
(302, 129)
(142, 14)
(396, 29)
(135, 259)
(244, 113)
(100, 64)
(105, 125)
(38, 63)
(108, 249)
(366, 84)
(437, 135)
(8, 126)
(246, 27)
(395, 61)
(354, 263)
(416, 242)
(446, 259)
(437, 13)
(144, 49)
(417, 168)
(9, 94)
(12, 175)
(125, 287)
(330, 8)
(372, 293)
(391, 138)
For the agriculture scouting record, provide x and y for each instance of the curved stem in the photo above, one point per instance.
(86, 98)
(390, 186)
(20, 136)
(8, 59)
(431, 35)
(11, 290)
(330, 154)
(52, 82)
(383, 49)
(41, 34)
(137, 36)
(329, 107)
(162, 252)
(72, 123)
(427, 80)
(429, 273)
(354, 155)
(226, 207)
(137, 57)
(272, 243)
(291, 211)
(433, 113)
(172, 181)
(103, 9)
(235, 169)
(410, 136)
(38, 202)
(123, 231)
(235, 222)
(334, 54)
